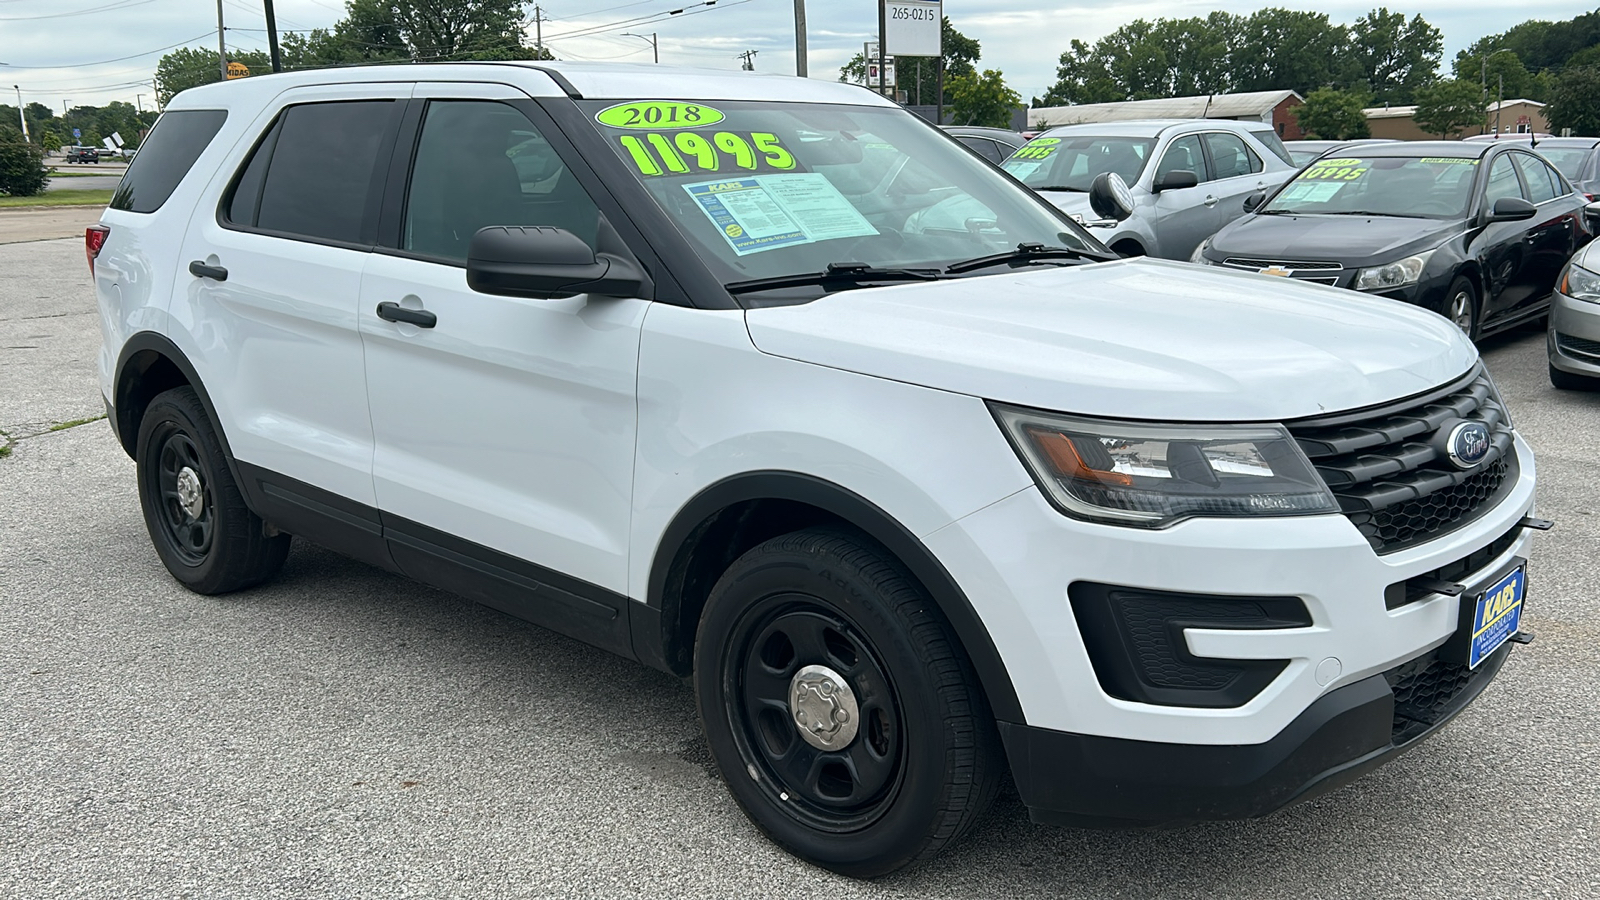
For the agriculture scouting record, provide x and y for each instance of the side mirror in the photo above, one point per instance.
(546, 264)
(1177, 180)
(1109, 197)
(1512, 209)
(1253, 201)
(1591, 214)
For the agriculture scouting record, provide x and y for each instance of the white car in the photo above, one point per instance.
(767, 382)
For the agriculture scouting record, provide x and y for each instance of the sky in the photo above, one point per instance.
(90, 52)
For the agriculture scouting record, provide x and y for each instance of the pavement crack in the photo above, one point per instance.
(12, 435)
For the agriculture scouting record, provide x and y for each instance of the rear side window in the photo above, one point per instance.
(317, 172)
(1275, 144)
(1543, 183)
(1230, 157)
(165, 157)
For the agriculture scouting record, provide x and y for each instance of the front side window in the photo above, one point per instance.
(1428, 187)
(1183, 155)
(1502, 182)
(482, 163)
(1071, 163)
(177, 140)
(773, 190)
(1230, 157)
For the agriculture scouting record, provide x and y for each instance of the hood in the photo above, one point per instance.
(1070, 202)
(1354, 241)
(1137, 339)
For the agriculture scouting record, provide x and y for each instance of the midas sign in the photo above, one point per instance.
(237, 70)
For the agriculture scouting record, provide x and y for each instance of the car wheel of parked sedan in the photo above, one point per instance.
(205, 535)
(1461, 307)
(1568, 381)
(840, 708)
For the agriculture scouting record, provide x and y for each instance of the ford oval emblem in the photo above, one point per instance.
(1468, 444)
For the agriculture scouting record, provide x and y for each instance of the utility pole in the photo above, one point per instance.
(749, 57)
(655, 48)
(138, 100)
(222, 50)
(1497, 104)
(800, 62)
(272, 38)
(20, 115)
(538, 30)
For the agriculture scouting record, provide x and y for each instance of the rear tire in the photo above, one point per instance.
(1567, 381)
(205, 535)
(917, 759)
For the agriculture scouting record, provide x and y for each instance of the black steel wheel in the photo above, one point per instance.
(839, 706)
(198, 521)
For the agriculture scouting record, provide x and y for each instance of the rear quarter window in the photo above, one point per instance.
(177, 140)
(1274, 143)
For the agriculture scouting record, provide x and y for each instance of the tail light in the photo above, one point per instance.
(94, 237)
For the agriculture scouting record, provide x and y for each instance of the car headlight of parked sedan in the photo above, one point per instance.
(1580, 283)
(1397, 274)
(1198, 257)
(1152, 475)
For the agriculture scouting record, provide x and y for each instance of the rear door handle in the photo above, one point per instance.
(394, 312)
(200, 270)
(1211, 201)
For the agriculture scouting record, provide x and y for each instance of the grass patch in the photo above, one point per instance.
(5, 451)
(63, 426)
(59, 198)
(57, 173)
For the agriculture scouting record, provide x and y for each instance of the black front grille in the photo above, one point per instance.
(1568, 344)
(1421, 587)
(1391, 472)
(1240, 262)
(1423, 689)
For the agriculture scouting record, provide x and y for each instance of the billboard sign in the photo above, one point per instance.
(912, 28)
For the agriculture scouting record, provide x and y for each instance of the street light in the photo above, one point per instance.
(654, 48)
(25, 138)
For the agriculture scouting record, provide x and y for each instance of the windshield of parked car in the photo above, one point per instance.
(768, 190)
(1070, 163)
(1430, 187)
(1567, 160)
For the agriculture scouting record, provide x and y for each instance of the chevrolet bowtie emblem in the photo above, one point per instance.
(1279, 271)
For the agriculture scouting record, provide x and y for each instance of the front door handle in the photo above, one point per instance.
(1210, 200)
(200, 270)
(394, 312)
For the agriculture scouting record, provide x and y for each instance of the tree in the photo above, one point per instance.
(22, 170)
(189, 67)
(1499, 68)
(1572, 100)
(982, 99)
(1333, 115)
(1448, 107)
(960, 52)
(1281, 49)
(1393, 57)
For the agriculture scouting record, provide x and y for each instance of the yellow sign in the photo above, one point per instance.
(237, 70)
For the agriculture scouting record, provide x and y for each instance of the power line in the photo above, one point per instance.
(710, 6)
(121, 4)
(208, 33)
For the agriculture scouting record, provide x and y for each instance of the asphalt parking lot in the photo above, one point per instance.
(342, 732)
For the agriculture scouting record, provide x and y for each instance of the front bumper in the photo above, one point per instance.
(1573, 339)
(1092, 781)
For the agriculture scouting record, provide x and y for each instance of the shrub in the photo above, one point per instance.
(22, 171)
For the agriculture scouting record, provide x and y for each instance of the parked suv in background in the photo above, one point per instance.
(1163, 185)
(81, 155)
(773, 386)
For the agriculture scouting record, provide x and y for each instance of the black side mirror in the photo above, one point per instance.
(1109, 196)
(547, 264)
(1591, 214)
(1177, 180)
(1512, 209)
(1253, 201)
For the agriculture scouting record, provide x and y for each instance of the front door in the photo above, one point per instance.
(504, 433)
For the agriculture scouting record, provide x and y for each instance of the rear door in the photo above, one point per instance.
(505, 430)
(269, 292)
(1237, 170)
(1186, 216)
(1551, 234)
(1502, 247)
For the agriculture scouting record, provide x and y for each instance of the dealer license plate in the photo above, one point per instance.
(1498, 614)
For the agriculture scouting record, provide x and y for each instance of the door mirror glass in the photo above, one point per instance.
(1177, 179)
(546, 264)
(1512, 209)
(1254, 200)
(1109, 197)
(1591, 213)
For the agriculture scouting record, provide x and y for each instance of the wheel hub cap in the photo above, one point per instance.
(190, 496)
(824, 708)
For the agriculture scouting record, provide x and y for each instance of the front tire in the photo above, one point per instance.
(839, 706)
(1461, 307)
(1567, 381)
(201, 528)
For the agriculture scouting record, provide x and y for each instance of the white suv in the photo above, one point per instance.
(766, 382)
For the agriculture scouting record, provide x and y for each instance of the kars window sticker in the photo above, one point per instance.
(1335, 170)
(1449, 160)
(764, 212)
(1319, 192)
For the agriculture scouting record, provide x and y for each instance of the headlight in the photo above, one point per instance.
(1154, 475)
(1394, 275)
(1198, 257)
(1580, 283)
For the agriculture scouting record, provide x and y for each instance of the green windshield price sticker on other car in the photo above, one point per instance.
(659, 114)
(1335, 170)
(1449, 160)
(1040, 148)
(686, 151)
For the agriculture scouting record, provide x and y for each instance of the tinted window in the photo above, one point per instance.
(983, 147)
(1275, 144)
(1502, 181)
(1536, 175)
(481, 163)
(165, 157)
(1230, 157)
(245, 198)
(1183, 154)
(323, 169)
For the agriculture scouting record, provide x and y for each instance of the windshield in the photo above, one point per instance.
(768, 190)
(1071, 163)
(1429, 187)
(1567, 160)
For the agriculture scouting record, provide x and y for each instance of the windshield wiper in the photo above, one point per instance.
(1368, 212)
(1060, 187)
(1026, 254)
(1277, 212)
(837, 276)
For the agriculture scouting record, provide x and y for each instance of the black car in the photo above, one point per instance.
(82, 155)
(1578, 158)
(993, 144)
(1477, 232)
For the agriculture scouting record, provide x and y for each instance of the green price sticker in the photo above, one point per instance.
(685, 152)
(1449, 160)
(1335, 170)
(1040, 148)
(658, 115)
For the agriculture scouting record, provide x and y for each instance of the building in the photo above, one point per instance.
(1271, 107)
(1513, 116)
